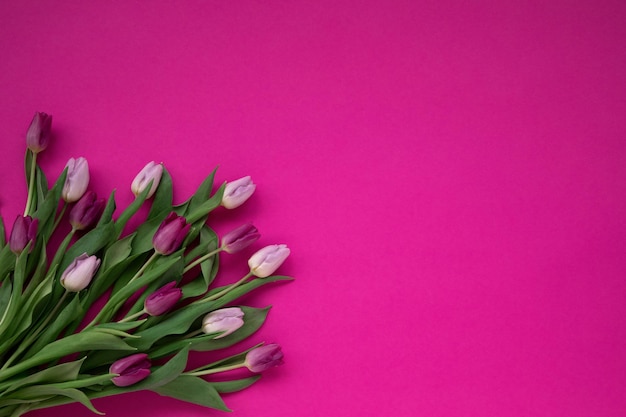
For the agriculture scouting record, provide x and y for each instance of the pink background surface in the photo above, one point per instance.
(449, 175)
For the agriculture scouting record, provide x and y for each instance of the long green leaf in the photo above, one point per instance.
(59, 373)
(194, 390)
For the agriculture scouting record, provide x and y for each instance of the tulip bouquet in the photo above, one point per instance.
(108, 311)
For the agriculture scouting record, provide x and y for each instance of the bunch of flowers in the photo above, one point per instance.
(107, 311)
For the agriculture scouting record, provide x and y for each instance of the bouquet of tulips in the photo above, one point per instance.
(108, 311)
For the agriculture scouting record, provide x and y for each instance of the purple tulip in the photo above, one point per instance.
(24, 232)
(240, 238)
(267, 260)
(87, 211)
(225, 320)
(38, 135)
(151, 172)
(237, 192)
(163, 299)
(130, 369)
(170, 234)
(76, 181)
(264, 357)
(80, 272)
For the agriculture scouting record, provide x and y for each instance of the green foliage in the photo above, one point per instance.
(49, 355)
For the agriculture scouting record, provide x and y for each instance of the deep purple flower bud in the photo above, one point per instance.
(163, 299)
(80, 272)
(87, 211)
(170, 234)
(267, 260)
(237, 192)
(76, 181)
(38, 135)
(151, 172)
(240, 238)
(264, 357)
(225, 320)
(130, 369)
(24, 232)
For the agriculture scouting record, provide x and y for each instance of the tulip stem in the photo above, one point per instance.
(193, 334)
(226, 290)
(31, 184)
(33, 336)
(215, 370)
(58, 219)
(143, 268)
(201, 259)
(132, 317)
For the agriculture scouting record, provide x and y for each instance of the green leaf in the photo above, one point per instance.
(3, 237)
(234, 385)
(209, 268)
(130, 212)
(7, 261)
(194, 390)
(63, 319)
(126, 326)
(205, 208)
(118, 252)
(143, 241)
(37, 391)
(162, 202)
(59, 373)
(41, 186)
(5, 298)
(202, 193)
(47, 209)
(107, 214)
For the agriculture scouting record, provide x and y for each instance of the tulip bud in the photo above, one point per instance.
(76, 181)
(79, 273)
(267, 260)
(162, 300)
(264, 357)
(24, 232)
(237, 192)
(170, 234)
(240, 238)
(225, 320)
(38, 135)
(151, 172)
(87, 211)
(130, 369)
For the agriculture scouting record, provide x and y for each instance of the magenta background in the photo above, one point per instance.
(449, 175)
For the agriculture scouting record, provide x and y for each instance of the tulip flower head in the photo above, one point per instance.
(162, 300)
(23, 233)
(87, 211)
(80, 272)
(38, 135)
(225, 320)
(267, 260)
(151, 172)
(237, 192)
(170, 234)
(130, 369)
(240, 238)
(264, 357)
(76, 181)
